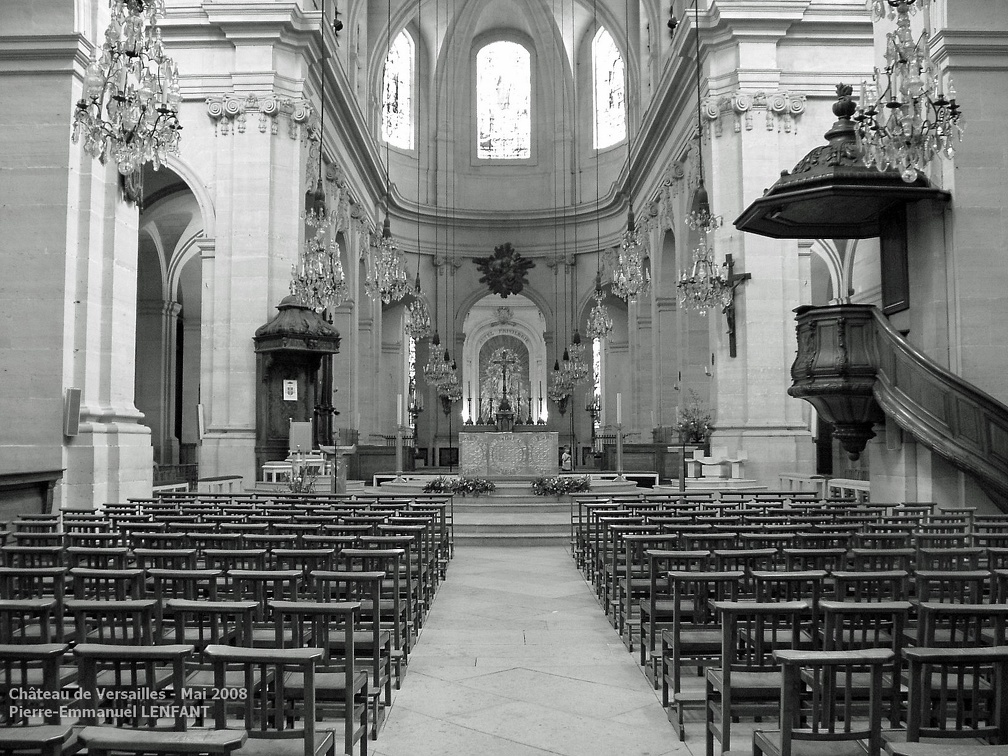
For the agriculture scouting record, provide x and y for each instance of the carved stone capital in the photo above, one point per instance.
(230, 112)
(780, 109)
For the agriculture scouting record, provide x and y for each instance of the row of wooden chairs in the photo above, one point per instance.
(196, 578)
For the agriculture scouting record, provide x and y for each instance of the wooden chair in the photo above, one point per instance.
(373, 640)
(655, 612)
(859, 625)
(957, 700)
(748, 681)
(137, 731)
(817, 705)
(338, 682)
(298, 733)
(694, 640)
(32, 667)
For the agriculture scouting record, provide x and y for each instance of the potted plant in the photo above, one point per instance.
(695, 422)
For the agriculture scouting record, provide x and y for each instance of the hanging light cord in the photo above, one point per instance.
(696, 28)
(598, 156)
(321, 94)
(626, 102)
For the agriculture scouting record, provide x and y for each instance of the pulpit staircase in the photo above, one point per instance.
(852, 365)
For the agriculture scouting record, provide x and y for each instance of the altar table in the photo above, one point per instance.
(528, 454)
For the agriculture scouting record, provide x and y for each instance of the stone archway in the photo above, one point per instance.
(169, 316)
(490, 322)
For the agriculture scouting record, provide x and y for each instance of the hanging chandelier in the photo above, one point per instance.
(418, 318)
(706, 285)
(129, 108)
(578, 364)
(435, 371)
(911, 119)
(630, 278)
(600, 323)
(318, 280)
(386, 273)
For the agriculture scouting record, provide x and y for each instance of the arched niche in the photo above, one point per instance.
(489, 318)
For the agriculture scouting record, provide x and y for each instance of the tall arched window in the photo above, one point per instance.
(608, 77)
(504, 101)
(397, 93)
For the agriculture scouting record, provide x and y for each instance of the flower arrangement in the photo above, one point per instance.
(561, 484)
(302, 478)
(694, 421)
(461, 485)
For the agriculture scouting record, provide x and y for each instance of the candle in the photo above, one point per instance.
(398, 407)
(619, 409)
(652, 419)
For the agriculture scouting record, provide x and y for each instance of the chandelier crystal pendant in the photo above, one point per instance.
(386, 271)
(912, 119)
(129, 108)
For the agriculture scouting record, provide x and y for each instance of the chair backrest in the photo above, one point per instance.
(868, 585)
(128, 669)
(959, 625)
(207, 623)
(821, 707)
(114, 622)
(958, 693)
(765, 627)
(30, 667)
(262, 703)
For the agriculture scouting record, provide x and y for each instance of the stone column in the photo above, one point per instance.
(157, 322)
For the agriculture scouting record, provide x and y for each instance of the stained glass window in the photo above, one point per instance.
(504, 101)
(397, 93)
(608, 75)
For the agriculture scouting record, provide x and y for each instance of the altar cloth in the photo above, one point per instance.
(528, 454)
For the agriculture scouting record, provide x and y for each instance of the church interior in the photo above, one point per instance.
(625, 371)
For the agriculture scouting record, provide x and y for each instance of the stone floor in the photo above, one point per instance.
(517, 658)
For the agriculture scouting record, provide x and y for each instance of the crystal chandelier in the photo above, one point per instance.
(418, 319)
(317, 280)
(129, 109)
(578, 365)
(630, 277)
(435, 369)
(705, 286)
(560, 385)
(386, 273)
(600, 323)
(912, 119)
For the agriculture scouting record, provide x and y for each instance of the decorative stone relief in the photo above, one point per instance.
(230, 113)
(659, 213)
(781, 110)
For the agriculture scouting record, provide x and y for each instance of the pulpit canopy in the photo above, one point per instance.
(297, 328)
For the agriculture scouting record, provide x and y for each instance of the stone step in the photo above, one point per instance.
(510, 538)
(500, 506)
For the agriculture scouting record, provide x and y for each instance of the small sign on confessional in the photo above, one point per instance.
(290, 391)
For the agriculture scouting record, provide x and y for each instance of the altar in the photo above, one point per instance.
(529, 454)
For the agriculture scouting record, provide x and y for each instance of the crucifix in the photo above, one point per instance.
(505, 359)
(734, 280)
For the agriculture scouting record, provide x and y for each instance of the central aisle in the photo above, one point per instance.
(517, 658)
